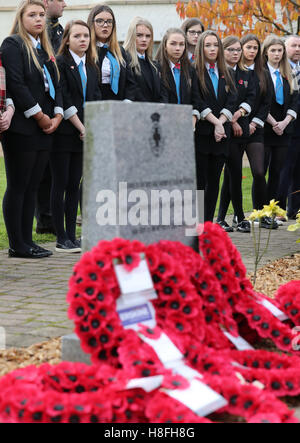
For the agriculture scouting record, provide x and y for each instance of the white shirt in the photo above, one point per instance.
(216, 68)
(251, 67)
(34, 44)
(274, 76)
(106, 72)
(78, 60)
(172, 66)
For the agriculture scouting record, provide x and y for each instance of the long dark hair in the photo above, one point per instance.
(163, 59)
(200, 61)
(64, 48)
(259, 64)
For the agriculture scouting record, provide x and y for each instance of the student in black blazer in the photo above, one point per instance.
(284, 106)
(193, 28)
(213, 131)
(33, 80)
(139, 48)
(80, 83)
(232, 183)
(116, 79)
(179, 83)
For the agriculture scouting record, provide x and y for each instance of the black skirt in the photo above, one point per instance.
(257, 137)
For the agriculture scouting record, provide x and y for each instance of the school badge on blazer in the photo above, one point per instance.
(157, 141)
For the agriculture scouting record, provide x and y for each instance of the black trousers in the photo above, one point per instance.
(209, 169)
(43, 211)
(24, 171)
(276, 158)
(66, 168)
(290, 179)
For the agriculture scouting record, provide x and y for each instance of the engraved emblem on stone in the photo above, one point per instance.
(157, 141)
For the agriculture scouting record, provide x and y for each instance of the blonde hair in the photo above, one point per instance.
(19, 29)
(284, 66)
(130, 43)
(200, 61)
(113, 43)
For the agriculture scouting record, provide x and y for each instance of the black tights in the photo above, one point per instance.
(66, 168)
(24, 171)
(209, 169)
(232, 185)
(275, 161)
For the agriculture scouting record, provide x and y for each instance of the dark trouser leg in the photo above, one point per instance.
(43, 211)
(294, 197)
(60, 166)
(18, 208)
(277, 159)
(41, 160)
(209, 173)
(73, 194)
(235, 168)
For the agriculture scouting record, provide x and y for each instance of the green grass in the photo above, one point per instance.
(247, 184)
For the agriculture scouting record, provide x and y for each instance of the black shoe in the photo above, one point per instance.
(269, 223)
(67, 247)
(30, 253)
(45, 230)
(77, 243)
(224, 225)
(292, 217)
(40, 249)
(244, 226)
(235, 222)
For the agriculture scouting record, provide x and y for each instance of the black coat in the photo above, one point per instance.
(246, 93)
(297, 122)
(26, 85)
(55, 32)
(227, 98)
(147, 83)
(127, 84)
(189, 91)
(72, 90)
(280, 112)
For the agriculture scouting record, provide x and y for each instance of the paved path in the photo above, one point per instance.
(33, 292)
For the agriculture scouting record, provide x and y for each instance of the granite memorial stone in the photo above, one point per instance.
(139, 179)
(139, 172)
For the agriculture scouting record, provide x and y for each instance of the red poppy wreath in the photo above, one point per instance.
(198, 298)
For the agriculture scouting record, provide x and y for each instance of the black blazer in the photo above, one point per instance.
(127, 84)
(262, 105)
(189, 93)
(26, 85)
(204, 135)
(72, 90)
(290, 103)
(297, 122)
(147, 83)
(246, 94)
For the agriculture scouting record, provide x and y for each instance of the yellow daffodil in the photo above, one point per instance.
(273, 210)
(296, 226)
(255, 215)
